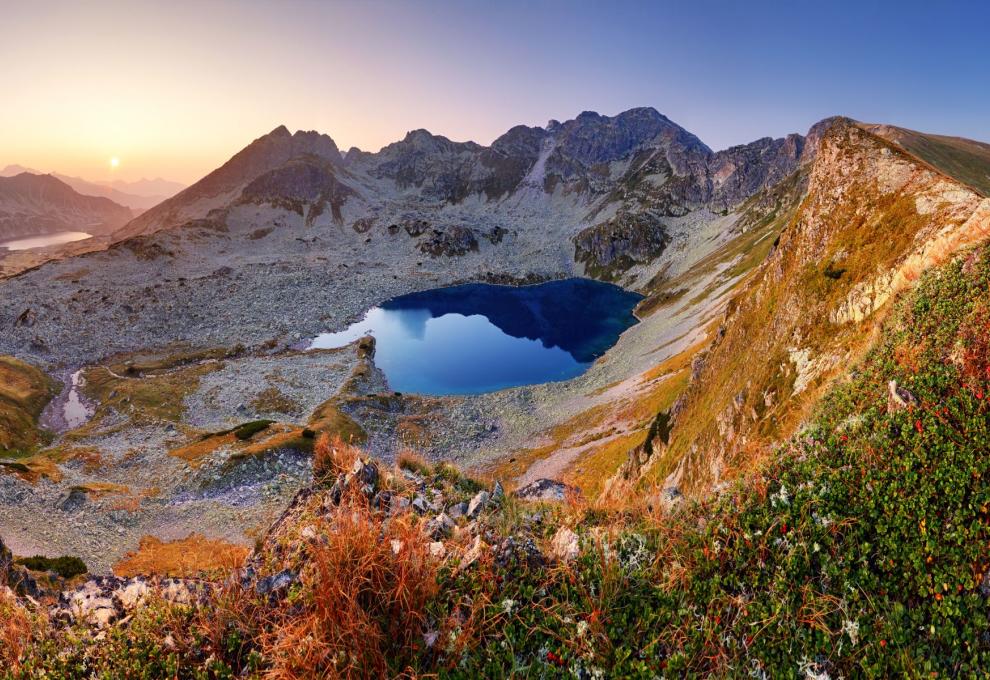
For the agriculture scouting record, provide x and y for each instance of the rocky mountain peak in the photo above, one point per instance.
(592, 138)
(817, 131)
(264, 154)
(520, 140)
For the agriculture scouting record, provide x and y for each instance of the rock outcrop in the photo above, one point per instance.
(620, 243)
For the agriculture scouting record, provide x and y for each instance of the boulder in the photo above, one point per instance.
(473, 553)
(898, 397)
(518, 552)
(420, 505)
(276, 584)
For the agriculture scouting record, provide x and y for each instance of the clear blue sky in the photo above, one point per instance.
(174, 88)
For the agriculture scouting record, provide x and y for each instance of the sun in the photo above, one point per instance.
(114, 162)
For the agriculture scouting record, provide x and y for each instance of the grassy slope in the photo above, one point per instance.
(965, 160)
(24, 392)
(845, 231)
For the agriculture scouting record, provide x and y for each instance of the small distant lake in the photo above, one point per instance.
(479, 338)
(46, 240)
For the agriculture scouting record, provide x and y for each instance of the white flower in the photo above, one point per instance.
(508, 605)
(780, 497)
(582, 628)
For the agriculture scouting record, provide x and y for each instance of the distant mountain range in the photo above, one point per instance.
(139, 195)
(32, 205)
(592, 170)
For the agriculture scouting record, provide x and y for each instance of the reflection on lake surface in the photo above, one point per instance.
(479, 338)
(46, 240)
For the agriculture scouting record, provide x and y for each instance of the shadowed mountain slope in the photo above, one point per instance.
(31, 205)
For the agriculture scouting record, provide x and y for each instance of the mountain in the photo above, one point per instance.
(156, 187)
(224, 184)
(41, 204)
(135, 201)
(624, 179)
(139, 195)
(872, 219)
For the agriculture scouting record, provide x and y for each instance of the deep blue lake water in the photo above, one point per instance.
(479, 338)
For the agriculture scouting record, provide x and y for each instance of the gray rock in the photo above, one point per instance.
(73, 501)
(473, 553)
(276, 583)
(898, 397)
(517, 552)
(545, 490)
(440, 526)
(621, 242)
(478, 503)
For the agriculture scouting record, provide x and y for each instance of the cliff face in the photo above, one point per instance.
(872, 219)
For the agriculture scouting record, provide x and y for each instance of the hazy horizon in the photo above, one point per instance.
(173, 90)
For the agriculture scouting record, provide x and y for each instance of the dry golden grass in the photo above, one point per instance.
(147, 396)
(194, 555)
(594, 467)
(330, 419)
(33, 469)
(580, 426)
(367, 586)
(275, 436)
(273, 400)
(101, 489)
(332, 456)
(197, 451)
(16, 633)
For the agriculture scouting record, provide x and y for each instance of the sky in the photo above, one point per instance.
(173, 89)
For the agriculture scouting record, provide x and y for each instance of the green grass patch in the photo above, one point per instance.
(248, 430)
(66, 566)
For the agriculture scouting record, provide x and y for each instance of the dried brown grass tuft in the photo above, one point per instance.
(366, 587)
(16, 632)
(332, 456)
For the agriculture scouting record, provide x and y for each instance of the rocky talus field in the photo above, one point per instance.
(777, 472)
